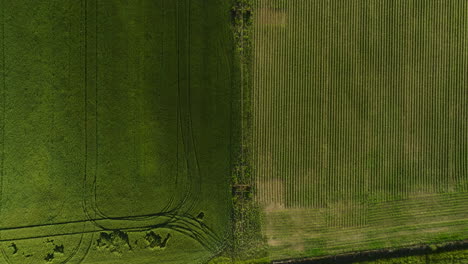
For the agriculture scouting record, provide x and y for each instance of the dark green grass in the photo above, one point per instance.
(124, 105)
(459, 257)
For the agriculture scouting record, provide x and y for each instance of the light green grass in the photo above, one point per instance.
(359, 130)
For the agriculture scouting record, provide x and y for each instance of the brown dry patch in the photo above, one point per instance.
(289, 227)
(354, 236)
(274, 242)
(421, 207)
(297, 229)
(298, 246)
(346, 213)
(435, 208)
(282, 225)
(438, 230)
(268, 16)
(408, 235)
(271, 194)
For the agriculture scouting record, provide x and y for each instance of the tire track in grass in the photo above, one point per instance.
(172, 219)
(96, 114)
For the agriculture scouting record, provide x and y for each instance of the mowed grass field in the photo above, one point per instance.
(360, 113)
(115, 131)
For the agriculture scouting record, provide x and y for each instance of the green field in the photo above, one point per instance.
(360, 136)
(115, 131)
(237, 131)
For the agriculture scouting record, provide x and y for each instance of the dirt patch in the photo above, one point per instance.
(281, 226)
(268, 16)
(265, 191)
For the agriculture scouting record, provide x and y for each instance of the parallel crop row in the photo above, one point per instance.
(360, 110)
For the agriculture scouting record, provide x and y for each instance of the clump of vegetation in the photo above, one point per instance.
(242, 19)
(14, 247)
(49, 257)
(156, 241)
(116, 242)
(57, 250)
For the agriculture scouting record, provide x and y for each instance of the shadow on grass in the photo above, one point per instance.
(373, 255)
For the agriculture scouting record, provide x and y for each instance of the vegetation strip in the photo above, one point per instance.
(373, 255)
(247, 239)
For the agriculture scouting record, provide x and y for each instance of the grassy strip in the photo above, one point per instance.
(449, 250)
(459, 256)
(247, 240)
